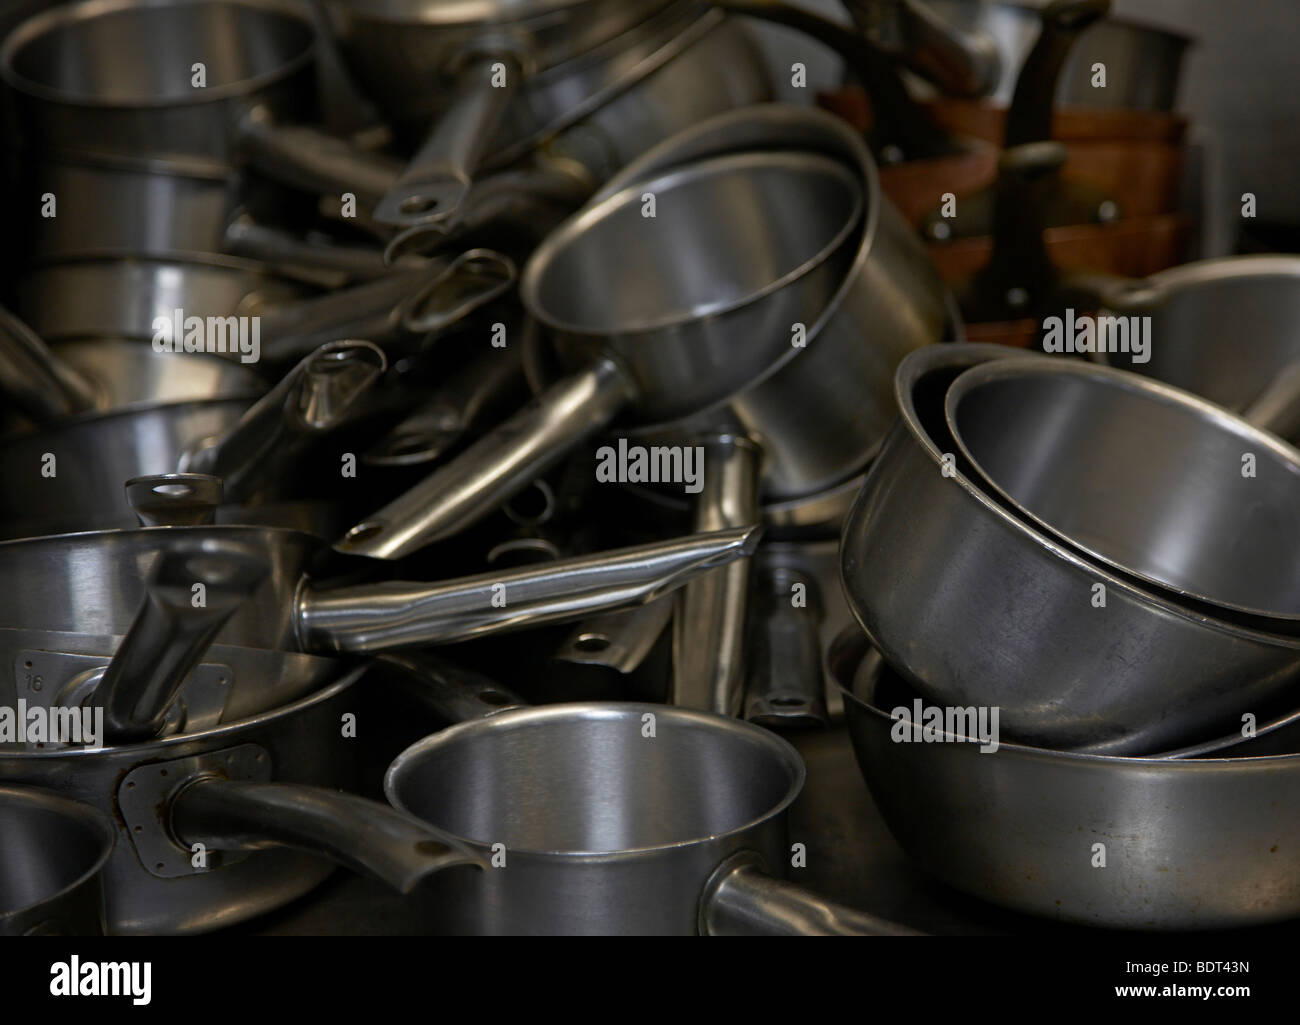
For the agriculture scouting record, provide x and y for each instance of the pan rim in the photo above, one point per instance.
(781, 749)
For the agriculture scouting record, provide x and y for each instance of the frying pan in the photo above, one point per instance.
(773, 235)
(261, 795)
(1194, 844)
(975, 606)
(52, 855)
(1125, 503)
(608, 831)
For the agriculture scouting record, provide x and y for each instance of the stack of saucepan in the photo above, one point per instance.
(546, 323)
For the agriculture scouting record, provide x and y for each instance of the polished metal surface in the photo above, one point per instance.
(712, 612)
(1224, 329)
(613, 818)
(94, 582)
(1166, 488)
(298, 809)
(52, 854)
(1195, 844)
(976, 607)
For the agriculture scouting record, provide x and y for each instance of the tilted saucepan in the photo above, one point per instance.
(52, 856)
(261, 796)
(977, 607)
(73, 470)
(1151, 481)
(94, 582)
(1224, 329)
(1131, 843)
(615, 819)
(641, 331)
(132, 297)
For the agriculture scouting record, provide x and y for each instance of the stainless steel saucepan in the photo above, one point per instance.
(639, 330)
(52, 857)
(616, 819)
(216, 826)
(977, 607)
(1151, 481)
(73, 471)
(1130, 843)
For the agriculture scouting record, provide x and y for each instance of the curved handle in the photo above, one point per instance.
(315, 397)
(175, 499)
(709, 628)
(472, 280)
(495, 467)
(35, 380)
(451, 692)
(389, 616)
(314, 161)
(362, 835)
(489, 383)
(1278, 408)
(959, 62)
(1029, 118)
(172, 630)
(434, 185)
(741, 900)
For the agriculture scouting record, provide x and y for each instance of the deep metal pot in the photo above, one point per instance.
(975, 607)
(1200, 844)
(52, 856)
(615, 819)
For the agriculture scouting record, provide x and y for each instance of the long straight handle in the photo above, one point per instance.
(314, 161)
(784, 681)
(709, 626)
(320, 394)
(391, 616)
(434, 185)
(741, 900)
(495, 468)
(172, 630)
(359, 834)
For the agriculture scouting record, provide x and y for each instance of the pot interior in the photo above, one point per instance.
(584, 779)
(1152, 485)
(725, 232)
(142, 53)
(45, 847)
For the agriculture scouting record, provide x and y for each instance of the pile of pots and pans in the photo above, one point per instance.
(353, 335)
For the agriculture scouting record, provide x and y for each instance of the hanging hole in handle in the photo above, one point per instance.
(592, 643)
(495, 698)
(533, 506)
(363, 532)
(173, 490)
(788, 703)
(417, 204)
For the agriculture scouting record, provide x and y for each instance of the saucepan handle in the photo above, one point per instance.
(452, 692)
(37, 381)
(494, 468)
(367, 618)
(434, 185)
(742, 900)
(314, 161)
(359, 834)
(1278, 408)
